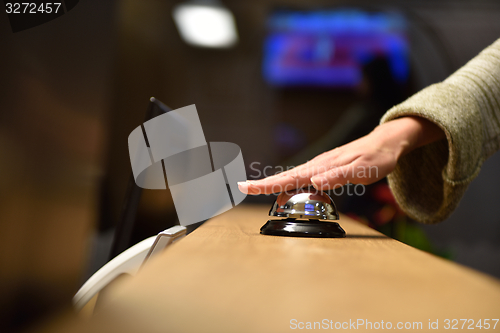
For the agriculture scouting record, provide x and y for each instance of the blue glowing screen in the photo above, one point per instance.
(330, 47)
(309, 207)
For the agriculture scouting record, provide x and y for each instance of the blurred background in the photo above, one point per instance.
(283, 79)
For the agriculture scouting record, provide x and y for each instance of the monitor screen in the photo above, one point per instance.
(328, 48)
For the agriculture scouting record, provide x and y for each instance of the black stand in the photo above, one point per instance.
(302, 228)
(126, 224)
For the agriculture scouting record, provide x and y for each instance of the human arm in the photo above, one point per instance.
(362, 161)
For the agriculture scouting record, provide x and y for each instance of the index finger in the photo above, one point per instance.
(297, 177)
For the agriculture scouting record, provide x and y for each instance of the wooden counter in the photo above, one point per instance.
(226, 277)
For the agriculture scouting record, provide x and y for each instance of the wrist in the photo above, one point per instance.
(402, 135)
(395, 137)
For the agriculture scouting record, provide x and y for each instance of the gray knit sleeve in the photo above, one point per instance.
(429, 182)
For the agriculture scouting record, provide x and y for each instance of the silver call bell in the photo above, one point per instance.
(306, 212)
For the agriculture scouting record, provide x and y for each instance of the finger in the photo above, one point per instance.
(295, 178)
(329, 180)
(274, 185)
(353, 173)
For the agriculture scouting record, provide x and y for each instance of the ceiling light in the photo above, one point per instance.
(206, 24)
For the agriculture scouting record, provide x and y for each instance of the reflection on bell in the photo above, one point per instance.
(302, 210)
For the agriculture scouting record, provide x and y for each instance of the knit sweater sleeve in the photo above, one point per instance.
(429, 182)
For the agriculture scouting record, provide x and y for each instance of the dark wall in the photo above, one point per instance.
(54, 88)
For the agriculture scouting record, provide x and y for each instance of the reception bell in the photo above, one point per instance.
(306, 212)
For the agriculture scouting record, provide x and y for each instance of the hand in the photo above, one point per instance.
(363, 161)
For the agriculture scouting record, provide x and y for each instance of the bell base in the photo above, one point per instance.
(310, 228)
